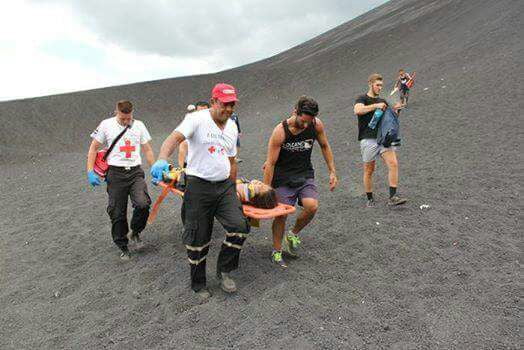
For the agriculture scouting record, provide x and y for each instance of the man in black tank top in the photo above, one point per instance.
(289, 170)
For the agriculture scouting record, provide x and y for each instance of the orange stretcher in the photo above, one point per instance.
(255, 214)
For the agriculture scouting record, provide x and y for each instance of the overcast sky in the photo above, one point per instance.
(54, 46)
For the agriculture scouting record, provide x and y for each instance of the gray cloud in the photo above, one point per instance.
(226, 33)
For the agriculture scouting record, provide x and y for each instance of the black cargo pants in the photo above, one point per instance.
(121, 184)
(204, 201)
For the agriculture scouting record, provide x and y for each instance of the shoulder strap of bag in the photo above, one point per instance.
(115, 141)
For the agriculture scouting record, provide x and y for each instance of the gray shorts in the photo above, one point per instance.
(290, 195)
(370, 149)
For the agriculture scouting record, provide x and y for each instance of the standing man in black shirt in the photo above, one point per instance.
(289, 170)
(365, 106)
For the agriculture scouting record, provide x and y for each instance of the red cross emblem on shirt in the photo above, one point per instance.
(211, 149)
(127, 148)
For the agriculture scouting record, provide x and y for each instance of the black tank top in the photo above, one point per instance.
(294, 160)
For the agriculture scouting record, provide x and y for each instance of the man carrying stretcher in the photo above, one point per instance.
(289, 170)
(210, 187)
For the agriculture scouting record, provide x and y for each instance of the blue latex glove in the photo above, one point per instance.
(93, 178)
(158, 169)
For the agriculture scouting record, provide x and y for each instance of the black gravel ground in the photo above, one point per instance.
(445, 277)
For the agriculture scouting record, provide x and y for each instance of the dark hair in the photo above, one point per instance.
(202, 104)
(124, 106)
(307, 105)
(265, 200)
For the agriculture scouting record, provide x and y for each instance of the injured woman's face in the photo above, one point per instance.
(264, 196)
(260, 187)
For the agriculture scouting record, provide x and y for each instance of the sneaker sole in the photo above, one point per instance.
(284, 265)
(280, 265)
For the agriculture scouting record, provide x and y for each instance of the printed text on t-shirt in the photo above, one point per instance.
(299, 146)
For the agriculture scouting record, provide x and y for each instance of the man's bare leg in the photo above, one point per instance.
(369, 168)
(390, 158)
(291, 241)
(309, 209)
(279, 225)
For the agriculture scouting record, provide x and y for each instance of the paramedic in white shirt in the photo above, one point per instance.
(210, 190)
(125, 177)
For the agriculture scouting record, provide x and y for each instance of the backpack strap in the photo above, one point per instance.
(115, 141)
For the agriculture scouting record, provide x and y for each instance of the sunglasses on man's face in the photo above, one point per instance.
(226, 104)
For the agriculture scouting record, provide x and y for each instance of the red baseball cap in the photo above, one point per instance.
(224, 93)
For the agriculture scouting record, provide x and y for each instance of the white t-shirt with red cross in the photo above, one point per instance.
(209, 147)
(127, 150)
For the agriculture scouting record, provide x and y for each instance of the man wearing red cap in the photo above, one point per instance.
(210, 189)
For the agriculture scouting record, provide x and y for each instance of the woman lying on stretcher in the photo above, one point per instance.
(254, 192)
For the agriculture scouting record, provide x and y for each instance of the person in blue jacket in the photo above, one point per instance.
(388, 133)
